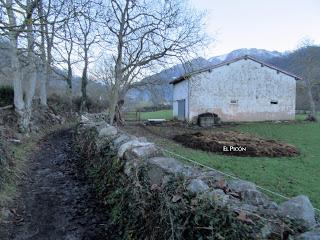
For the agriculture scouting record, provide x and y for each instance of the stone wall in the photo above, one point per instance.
(238, 196)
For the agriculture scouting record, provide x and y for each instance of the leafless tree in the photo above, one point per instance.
(65, 55)
(51, 19)
(17, 25)
(87, 35)
(309, 59)
(143, 34)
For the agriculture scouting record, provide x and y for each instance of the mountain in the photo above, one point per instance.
(261, 54)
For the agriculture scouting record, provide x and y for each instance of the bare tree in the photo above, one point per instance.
(15, 24)
(51, 19)
(142, 34)
(87, 36)
(308, 59)
(65, 50)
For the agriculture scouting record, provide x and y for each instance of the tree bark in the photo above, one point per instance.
(43, 78)
(84, 83)
(69, 83)
(15, 65)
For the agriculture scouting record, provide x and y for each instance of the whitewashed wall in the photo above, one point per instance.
(180, 91)
(246, 81)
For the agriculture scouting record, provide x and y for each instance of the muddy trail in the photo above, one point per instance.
(56, 202)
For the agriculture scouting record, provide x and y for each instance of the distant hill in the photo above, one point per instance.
(254, 52)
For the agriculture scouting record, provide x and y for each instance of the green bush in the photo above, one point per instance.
(6, 96)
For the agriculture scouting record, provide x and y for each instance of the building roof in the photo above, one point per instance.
(184, 77)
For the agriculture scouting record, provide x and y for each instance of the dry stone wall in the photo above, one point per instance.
(237, 195)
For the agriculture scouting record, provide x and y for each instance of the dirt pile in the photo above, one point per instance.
(236, 143)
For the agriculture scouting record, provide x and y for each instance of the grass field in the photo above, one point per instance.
(290, 176)
(164, 114)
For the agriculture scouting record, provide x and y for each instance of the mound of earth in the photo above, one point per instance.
(236, 143)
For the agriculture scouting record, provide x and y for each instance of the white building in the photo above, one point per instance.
(244, 89)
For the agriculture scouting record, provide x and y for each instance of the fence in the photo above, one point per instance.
(133, 116)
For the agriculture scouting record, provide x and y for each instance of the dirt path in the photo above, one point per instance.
(55, 201)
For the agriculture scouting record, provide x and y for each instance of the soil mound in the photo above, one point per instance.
(236, 143)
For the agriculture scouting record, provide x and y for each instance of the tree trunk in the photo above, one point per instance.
(84, 82)
(113, 105)
(32, 74)
(43, 64)
(15, 65)
(69, 83)
(17, 84)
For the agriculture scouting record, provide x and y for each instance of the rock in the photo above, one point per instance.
(168, 165)
(120, 140)
(108, 131)
(254, 197)
(311, 235)
(160, 167)
(219, 197)
(299, 208)
(240, 185)
(84, 119)
(197, 186)
(131, 144)
(143, 152)
(212, 176)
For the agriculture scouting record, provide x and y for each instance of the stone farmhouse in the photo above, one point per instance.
(243, 89)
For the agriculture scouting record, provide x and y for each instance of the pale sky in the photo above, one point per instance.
(267, 24)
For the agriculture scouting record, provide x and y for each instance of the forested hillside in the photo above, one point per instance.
(304, 62)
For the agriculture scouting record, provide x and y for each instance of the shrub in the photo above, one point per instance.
(92, 106)
(6, 96)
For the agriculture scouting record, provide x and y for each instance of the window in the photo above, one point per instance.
(233, 101)
(274, 102)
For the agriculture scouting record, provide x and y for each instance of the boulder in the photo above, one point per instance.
(168, 165)
(299, 208)
(143, 152)
(219, 197)
(255, 197)
(108, 131)
(120, 140)
(311, 235)
(131, 144)
(84, 119)
(212, 176)
(240, 185)
(172, 166)
(197, 186)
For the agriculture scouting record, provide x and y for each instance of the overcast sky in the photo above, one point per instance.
(267, 24)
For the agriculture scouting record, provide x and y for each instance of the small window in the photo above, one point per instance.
(274, 102)
(234, 101)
